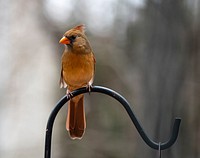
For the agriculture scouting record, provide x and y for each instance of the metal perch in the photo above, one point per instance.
(158, 146)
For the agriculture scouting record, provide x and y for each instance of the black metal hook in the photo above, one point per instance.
(126, 105)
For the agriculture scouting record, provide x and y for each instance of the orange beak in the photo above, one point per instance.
(64, 40)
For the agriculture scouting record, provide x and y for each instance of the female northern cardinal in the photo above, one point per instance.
(78, 64)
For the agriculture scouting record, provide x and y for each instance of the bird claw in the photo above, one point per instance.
(69, 94)
(89, 87)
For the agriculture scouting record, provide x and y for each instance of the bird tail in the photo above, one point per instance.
(76, 122)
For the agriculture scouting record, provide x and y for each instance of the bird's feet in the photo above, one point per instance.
(89, 87)
(69, 94)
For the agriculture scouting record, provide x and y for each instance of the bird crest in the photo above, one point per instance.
(80, 28)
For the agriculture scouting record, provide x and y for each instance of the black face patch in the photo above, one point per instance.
(72, 38)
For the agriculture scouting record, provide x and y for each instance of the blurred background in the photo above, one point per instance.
(147, 50)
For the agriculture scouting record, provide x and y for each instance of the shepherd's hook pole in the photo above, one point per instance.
(126, 105)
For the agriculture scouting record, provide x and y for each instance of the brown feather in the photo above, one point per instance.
(78, 66)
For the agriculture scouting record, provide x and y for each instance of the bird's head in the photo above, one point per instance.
(75, 40)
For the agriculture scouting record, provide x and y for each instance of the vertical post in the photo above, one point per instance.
(50, 123)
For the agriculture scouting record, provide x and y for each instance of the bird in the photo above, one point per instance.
(77, 71)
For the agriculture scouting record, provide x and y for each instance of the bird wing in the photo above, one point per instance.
(92, 79)
(62, 81)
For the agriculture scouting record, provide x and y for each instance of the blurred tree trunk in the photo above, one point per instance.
(164, 65)
(193, 84)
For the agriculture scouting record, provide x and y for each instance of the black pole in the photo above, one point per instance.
(126, 105)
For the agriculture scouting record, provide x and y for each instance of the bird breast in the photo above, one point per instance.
(78, 69)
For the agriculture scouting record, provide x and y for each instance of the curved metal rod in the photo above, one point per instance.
(126, 105)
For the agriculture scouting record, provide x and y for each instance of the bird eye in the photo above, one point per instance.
(73, 37)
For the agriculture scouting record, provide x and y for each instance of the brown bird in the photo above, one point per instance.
(78, 65)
